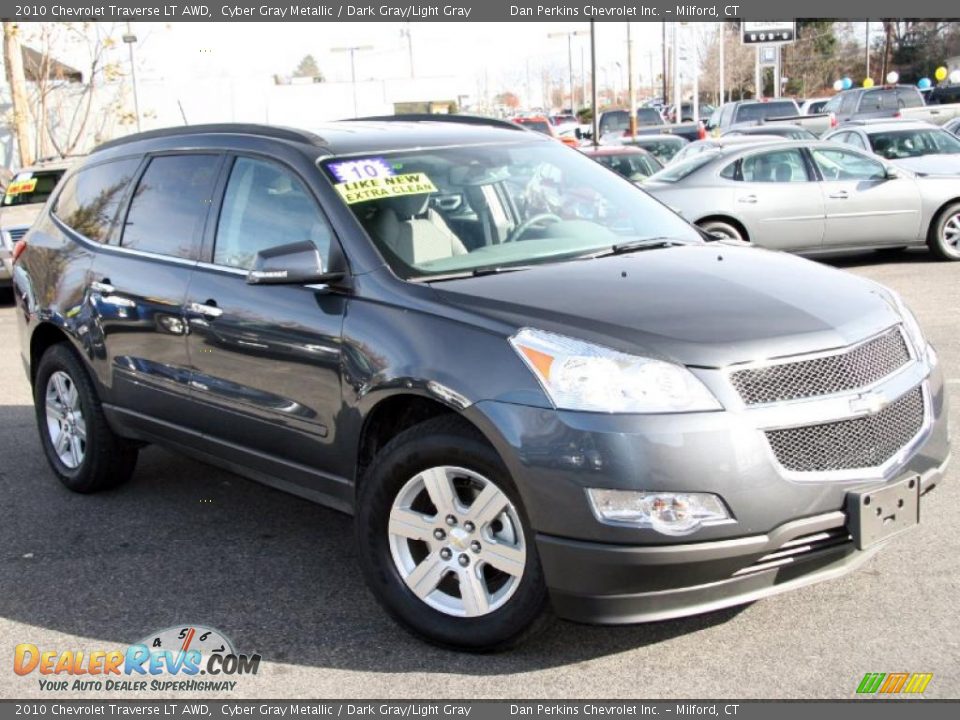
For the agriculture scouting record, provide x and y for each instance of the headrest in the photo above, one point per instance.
(408, 206)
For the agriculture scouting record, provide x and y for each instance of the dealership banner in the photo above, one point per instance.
(476, 710)
(462, 10)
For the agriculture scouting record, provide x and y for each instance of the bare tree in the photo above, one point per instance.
(13, 61)
(62, 108)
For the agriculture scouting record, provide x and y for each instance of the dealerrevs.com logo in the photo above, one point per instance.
(169, 660)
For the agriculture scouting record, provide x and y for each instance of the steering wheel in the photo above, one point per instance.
(529, 223)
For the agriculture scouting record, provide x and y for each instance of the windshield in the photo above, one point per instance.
(913, 143)
(755, 112)
(633, 166)
(442, 211)
(679, 170)
(31, 187)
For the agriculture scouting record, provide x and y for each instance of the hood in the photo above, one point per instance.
(701, 305)
(947, 164)
(19, 215)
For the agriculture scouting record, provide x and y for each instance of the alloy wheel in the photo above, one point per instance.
(457, 541)
(951, 232)
(65, 422)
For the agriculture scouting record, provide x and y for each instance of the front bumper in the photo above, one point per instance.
(613, 574)
(613, 584)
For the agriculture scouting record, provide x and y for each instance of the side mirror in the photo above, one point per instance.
(892, 173)
(297, 263)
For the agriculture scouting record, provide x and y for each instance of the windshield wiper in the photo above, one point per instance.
(633, 246)
(477, 272)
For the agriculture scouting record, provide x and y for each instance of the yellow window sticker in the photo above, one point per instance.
(21, 186)
(385, 187)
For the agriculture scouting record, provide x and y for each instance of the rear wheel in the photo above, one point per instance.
(82, 450)
(722, 229)
(944, 236)
(444, 543)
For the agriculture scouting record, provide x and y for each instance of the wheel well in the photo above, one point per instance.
(939, 213)
(391, 417)
(727, 219)
(45, 336)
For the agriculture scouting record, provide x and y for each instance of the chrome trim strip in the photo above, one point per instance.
(836, 407)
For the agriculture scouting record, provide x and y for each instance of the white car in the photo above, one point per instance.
(917, 146)
(813, 106)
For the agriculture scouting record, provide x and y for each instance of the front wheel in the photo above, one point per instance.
(721, 229)
(444, 543)
(944, 237)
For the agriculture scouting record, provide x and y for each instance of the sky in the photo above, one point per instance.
(502, 55)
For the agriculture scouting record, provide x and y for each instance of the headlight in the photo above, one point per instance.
(910, 326)
(667, 513)
(577, 375)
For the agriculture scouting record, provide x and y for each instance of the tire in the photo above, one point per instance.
(944, 236)
(723, 228)
(503, 608)
(91, 457)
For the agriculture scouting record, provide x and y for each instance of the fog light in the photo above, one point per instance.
(667, 513)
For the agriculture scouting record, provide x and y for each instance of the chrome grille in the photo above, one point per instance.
(863, 442)
(847, 370)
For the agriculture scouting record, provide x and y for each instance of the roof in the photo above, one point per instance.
(363, 136)
(887, 125)
(612, 150)
(765, 129)
(51, 164)
(36, 64)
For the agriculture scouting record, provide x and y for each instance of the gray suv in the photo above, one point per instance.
(533, 385)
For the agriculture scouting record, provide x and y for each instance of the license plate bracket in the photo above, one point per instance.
(877, 515)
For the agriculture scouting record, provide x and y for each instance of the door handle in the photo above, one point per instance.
(103, 286)
(841, 195)
(208, 309)
(751, 199)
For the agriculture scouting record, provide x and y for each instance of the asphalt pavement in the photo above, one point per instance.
(185, 543)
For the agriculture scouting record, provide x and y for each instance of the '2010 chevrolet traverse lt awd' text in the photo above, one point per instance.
(531, 383)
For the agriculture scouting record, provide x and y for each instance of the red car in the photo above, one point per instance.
(542, 124)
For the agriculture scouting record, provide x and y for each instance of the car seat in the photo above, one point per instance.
(413, 231)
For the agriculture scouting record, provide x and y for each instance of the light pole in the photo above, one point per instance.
(353, 50)
(130, 39)
(569, 35)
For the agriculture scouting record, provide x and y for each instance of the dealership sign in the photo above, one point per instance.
(768, 32)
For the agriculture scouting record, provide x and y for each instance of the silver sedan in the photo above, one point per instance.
(812, 196)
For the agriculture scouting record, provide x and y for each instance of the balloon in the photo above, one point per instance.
(868, 83)
(940, 74)
(838, 85)
(955, 76)
(892, 77)
(847, 83)
(924, 83)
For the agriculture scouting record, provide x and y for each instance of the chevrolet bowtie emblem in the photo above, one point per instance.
(868, 403)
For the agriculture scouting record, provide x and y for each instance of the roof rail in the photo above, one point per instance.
(271, 131)
(435, 117)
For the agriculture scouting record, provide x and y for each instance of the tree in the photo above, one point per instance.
(13, 61)
(507, 99)
(308, 68)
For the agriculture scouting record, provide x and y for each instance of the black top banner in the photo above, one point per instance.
(467, 10)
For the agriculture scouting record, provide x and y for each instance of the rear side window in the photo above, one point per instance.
(782, 166)
(91, 197)
(170, 205)
(266, 206)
